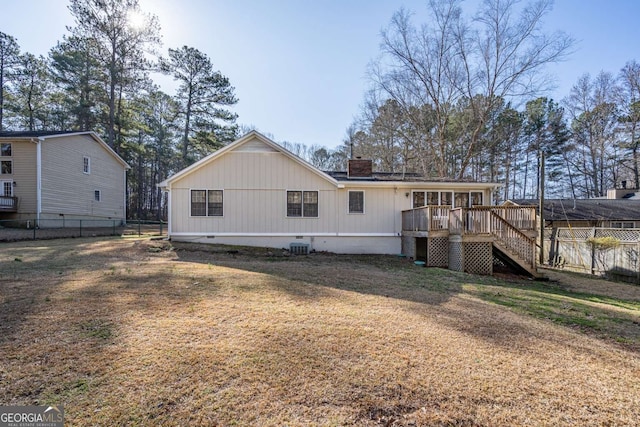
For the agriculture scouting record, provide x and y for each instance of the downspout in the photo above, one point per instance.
(38, 180)
(124, 197)
(169, 228)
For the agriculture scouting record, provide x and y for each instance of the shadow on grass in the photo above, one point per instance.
(601, 316)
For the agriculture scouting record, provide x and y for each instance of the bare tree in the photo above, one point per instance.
(629, 104)
(499, 55)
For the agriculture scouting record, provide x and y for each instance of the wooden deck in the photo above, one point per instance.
(8, 204)
(511, 230)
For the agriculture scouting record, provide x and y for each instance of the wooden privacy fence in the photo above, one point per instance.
(573, 248)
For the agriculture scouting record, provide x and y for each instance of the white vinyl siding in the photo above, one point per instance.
(66, 189)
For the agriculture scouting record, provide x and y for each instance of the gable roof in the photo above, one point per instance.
(587, 209)
(338, 179)
(44, 135)
(237, 144)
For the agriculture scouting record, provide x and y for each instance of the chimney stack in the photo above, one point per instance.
(359, 168)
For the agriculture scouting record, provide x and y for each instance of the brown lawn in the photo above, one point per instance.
(137, 332)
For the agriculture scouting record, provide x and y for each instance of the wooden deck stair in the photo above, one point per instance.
(509, 229)
(513, 247)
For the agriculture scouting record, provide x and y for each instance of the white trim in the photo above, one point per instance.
(38, 180)
(204, 234)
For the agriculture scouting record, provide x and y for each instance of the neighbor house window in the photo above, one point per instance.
(5, 149)
(622, 225)
(302, 204)
(96, 195)
(356, 202)
(6, 167)
(206, 203)
(7, 189)
(86, 165)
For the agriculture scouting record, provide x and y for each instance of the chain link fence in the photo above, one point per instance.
(30, 229)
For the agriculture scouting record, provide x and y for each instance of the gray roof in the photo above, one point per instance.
(343, 176)
(34, 134)
(588, 209)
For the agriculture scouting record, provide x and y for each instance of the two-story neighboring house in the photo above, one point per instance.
(54, 175)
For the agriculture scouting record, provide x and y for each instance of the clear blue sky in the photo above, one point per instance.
(299, 66)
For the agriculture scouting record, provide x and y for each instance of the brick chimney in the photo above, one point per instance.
(359, 168)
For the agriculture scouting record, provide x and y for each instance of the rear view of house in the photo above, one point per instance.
(50, 177)
(253, 192)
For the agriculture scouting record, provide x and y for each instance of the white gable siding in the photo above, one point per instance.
(66, 189)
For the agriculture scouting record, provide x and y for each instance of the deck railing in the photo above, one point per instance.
(475, 220)
(426, 218)
(8, 203)
(513, 239)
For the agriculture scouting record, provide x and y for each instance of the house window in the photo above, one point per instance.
(6, 167)
(302, 204)
(433, 198)
(5, 149)
(214, 203)
(462, 200)
(96, 195)
(356, 202)
(622, 224)
(446, 199)
(476, 198)
(418, 199)
(206, 203)
(7, 189)
(86, 165)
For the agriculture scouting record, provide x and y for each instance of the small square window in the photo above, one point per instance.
(5, 149)
(6, 167)
(86, 165)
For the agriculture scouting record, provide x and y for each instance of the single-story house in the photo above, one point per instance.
(47, 177)
(254, 192)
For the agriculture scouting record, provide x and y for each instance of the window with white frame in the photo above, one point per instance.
(356, 202)
(302, 204)
(86, 165)
(6, 189)
(96, 195)
(207, 203)
(6, 167)
(5, 149)
(623, 224)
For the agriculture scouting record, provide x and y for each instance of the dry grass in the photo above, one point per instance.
(134, 332)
